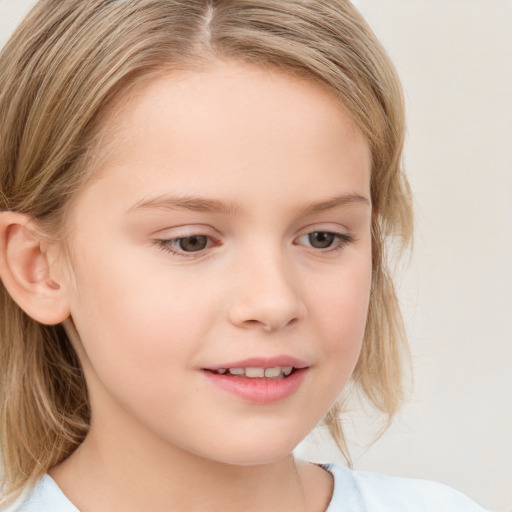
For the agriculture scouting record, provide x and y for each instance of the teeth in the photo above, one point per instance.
(253, 372)
(273, 372)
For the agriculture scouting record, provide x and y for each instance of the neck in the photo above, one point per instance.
(118, 468)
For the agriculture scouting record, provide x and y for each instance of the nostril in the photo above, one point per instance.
(292, 322)
(270, 326)
(253, 322)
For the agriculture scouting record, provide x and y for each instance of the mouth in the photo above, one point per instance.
(256, 372)
(277, 367)
(259, 380)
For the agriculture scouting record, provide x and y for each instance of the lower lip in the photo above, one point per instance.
(259, 390)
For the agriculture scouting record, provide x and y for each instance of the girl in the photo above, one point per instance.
(196, 202)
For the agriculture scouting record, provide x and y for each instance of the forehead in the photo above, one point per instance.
(197, 129)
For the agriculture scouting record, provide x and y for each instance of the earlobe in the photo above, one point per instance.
(27, 271)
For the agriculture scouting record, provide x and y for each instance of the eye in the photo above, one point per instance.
(186, 245)
(192, 243)
(321, 239)
(326, 240)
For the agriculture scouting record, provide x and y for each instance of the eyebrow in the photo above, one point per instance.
(207, 205)
(193, 203)
(335, 202)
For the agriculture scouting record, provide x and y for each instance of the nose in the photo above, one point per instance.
(265, 294)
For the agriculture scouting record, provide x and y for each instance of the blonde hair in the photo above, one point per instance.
(66, 63)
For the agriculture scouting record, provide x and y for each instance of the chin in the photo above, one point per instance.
(252, 452)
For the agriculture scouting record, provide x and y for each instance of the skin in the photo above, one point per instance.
(148, 320)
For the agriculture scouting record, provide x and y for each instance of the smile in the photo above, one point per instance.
(277, 372)
(259, 380)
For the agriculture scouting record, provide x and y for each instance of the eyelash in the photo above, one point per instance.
(341, 241)
(167, 245)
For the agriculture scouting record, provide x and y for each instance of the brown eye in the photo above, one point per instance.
(193, 243)
(321, 239)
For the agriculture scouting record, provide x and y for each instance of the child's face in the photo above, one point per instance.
(192, 251)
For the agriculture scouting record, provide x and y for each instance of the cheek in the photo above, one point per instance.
(138, 328)
(342, 309)
(131, 318)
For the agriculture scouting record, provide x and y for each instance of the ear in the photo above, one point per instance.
(29, 269)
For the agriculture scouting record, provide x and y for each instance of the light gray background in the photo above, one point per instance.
(455, 60)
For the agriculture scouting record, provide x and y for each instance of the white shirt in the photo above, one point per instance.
(354, 491)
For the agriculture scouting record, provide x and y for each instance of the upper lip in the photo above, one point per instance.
(263, 362)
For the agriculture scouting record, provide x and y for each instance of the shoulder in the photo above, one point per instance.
(354, 491)
(360, 491)
(45, 496)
